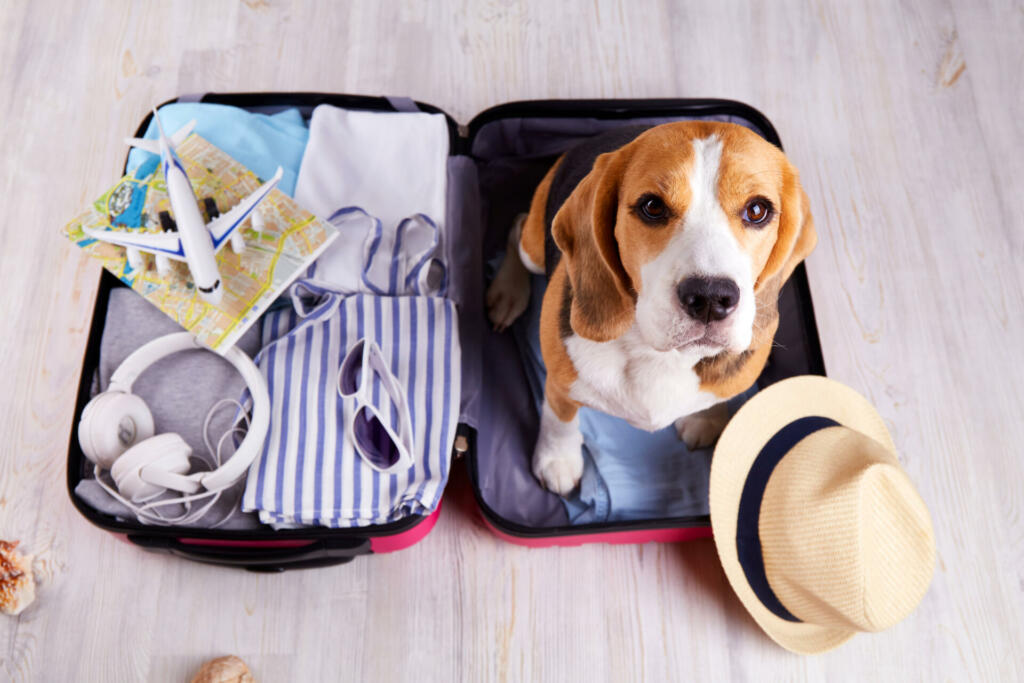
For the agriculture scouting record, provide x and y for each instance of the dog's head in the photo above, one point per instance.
(687, 232)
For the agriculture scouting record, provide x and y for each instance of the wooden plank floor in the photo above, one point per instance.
(906, 121)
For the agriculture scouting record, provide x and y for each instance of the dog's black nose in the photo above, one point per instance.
(708, 298)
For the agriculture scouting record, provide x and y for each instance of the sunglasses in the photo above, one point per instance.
(383, 445)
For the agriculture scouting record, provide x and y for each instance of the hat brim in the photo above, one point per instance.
(740, 443)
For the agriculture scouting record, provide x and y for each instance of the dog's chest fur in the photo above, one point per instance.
(627, 378)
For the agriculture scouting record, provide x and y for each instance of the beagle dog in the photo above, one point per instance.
(665, 249)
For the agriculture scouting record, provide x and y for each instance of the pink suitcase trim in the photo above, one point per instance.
(378, 544)
(673, 535)
(400, 541)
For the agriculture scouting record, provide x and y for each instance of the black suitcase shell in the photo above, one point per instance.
(267, 550)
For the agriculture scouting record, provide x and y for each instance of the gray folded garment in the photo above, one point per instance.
(179, 390)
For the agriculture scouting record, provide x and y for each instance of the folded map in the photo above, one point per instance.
(290, 240)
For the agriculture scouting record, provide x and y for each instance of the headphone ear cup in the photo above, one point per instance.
(164, 453)
(111, 423)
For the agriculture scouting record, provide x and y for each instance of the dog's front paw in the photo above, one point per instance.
(559, 473)
(509, 293)
(558, 456)
(702, 429)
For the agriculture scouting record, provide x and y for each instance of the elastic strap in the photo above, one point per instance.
(402, 104)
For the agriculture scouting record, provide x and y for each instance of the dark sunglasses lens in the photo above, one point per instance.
(374, 440)
(351, 373)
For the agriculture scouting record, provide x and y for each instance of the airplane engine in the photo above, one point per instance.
(237, 242)
(134, 258)
(163, 265)
(258, 222)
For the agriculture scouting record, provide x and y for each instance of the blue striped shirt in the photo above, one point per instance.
(309, 472)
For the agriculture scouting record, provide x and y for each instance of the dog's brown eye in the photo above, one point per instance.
(757, 211)
(652, 208)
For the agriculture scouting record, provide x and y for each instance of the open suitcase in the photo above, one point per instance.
(495, 163)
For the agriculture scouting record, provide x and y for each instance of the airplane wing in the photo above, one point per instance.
(166, 243)
(154, 145)
(221, 227)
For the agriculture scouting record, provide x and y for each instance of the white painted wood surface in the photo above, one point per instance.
(905, 119)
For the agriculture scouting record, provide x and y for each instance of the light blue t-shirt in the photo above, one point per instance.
(260, 142)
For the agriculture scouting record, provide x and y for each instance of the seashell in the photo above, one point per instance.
(229, 669)
(17, 585)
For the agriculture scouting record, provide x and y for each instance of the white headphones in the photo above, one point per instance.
(116, 433)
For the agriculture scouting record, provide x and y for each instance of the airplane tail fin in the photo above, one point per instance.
(154, 145)
(182, 133)
(148, 145)
(159, 124)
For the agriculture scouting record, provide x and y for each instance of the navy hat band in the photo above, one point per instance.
(748, 538)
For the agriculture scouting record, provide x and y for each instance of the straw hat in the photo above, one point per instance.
(819, 530)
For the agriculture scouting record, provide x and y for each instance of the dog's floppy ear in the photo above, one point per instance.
(603, 298)
(796, 238)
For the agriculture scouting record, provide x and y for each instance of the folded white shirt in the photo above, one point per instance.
(390, 165)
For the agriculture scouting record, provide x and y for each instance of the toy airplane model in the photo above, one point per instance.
(188, 237)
